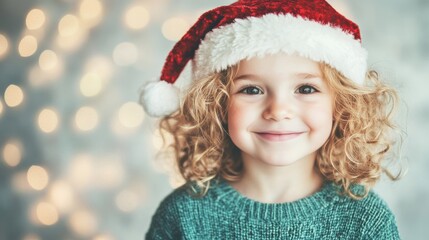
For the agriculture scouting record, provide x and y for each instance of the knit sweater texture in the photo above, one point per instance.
(223, 213)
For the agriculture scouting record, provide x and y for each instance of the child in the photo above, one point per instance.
(281, 134)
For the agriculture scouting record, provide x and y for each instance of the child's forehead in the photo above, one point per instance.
(274, 64)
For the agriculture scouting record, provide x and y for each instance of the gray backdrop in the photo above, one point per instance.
(78, 158)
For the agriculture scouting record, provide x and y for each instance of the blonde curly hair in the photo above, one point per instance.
(352, 155)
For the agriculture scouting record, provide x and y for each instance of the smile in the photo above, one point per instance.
(277, 137)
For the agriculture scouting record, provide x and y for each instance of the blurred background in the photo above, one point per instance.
(78, 156)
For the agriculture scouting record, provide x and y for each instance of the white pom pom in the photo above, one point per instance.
(160, 98)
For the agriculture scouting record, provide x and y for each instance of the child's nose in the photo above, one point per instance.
(279, 109)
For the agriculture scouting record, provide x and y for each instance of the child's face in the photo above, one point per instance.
(280, 109)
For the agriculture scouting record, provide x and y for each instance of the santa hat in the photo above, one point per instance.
(224, 36)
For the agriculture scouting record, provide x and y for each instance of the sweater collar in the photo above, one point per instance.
(244, 207)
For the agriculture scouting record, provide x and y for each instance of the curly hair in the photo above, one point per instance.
(352, 155)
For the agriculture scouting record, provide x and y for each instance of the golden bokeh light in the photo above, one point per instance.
(48, 120)
(159, 141)
(127, 201)
(131, 115)
(83, 223)
(111, 173)
(48, 60)
(86, 119)
(31, 236)
(46, 213)
(35, 19)
(101, 65)
(91, 84)
(69, 25)
(103, 237)
(13, 96)
(1, 108)
(136, 17)
(73, 42)
(62, 196)
(37, 177)
(174, 28)
(27, 46)
(90, 11)
(81, 171)
(125, 53)
(4, 46)
(12, 153)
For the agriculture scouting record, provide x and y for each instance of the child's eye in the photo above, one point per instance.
(306, 89)
(251, 90)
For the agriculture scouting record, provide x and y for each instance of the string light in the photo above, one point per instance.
(83, 223)
(174, 28)
(136, 17)
(12, 153)
(27, 46)
(13, 96)
(35, 19)
(86, 119)
(125, 54)
(101, 65)
(4, 46)
(91, 84)
(131, 115)
(46, 213)
(48, 120)
(37, 177)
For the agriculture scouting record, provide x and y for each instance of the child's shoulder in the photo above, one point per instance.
(372, 207)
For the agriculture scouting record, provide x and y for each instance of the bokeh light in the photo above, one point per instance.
(111, 173)
(12, 153)
(136, 17)
(86, 118)
(37, 177)
(62, 196)
(83, 223)
(13, 95)
(4, 46)
(131, 115)
(91, 84)
(125, 53)
(81, 171)
(127, 201)
(35, 19)
(27, 46)
(48, 120)
(1, 107)
(103, 237)
(48, 60)
(46, 213)
(174, 28)
(101, 65)
(19, 182)
(31, 236)
(69, 25)
(90, 11)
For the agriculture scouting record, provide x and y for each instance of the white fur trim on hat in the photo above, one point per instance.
(258, 36)
(160, 98)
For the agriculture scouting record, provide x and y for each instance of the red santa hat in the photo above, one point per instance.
(224, 36)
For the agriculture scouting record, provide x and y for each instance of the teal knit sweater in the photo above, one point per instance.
(223, 213)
